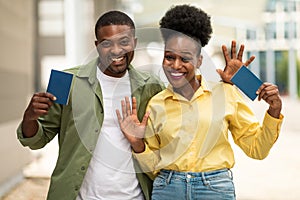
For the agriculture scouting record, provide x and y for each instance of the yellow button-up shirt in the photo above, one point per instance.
(192, 135)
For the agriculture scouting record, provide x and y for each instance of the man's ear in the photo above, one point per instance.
(96, 43)
(135, 42)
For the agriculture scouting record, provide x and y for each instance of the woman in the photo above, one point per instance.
(182, 140)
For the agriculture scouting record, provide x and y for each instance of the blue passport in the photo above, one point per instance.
(59, 85)
(247, 82)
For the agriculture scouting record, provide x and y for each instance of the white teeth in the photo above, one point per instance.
(117, 59)
(176, 74)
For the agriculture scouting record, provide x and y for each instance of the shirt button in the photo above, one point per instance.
(96, 130)
(188, 176)
(83, 168)
(76, 187)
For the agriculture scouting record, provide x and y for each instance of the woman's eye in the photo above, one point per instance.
(168, 57)
(185, 59)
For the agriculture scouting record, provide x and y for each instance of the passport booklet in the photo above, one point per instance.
(59, 85)
(247, 82)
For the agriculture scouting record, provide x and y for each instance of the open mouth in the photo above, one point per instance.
(177, 75)
(118, 59)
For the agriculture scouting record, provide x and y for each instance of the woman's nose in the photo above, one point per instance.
(177, 64)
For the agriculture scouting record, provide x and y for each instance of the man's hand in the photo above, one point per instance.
(38, 106)
(130, 125)
(270, 93)
(233, 62)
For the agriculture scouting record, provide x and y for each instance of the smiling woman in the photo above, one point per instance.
(182, 141)
(179, 64)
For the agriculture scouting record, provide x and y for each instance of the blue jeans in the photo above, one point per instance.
(214, 185)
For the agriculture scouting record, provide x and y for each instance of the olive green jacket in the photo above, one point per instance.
(78, 125)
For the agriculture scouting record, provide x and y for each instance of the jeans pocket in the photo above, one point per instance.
(160, 182)
(221, 184)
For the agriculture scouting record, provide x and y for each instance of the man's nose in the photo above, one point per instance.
(116, 49)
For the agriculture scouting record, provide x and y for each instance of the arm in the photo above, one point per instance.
(233, 62)
(255, 139)
(38, 106)
(146, 150)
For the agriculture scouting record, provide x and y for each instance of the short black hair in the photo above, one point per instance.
(114, 17)
(187, 20)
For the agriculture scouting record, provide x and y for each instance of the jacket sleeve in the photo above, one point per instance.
(48, 127)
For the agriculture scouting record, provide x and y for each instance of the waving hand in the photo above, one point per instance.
(130, 125)
(233, 62)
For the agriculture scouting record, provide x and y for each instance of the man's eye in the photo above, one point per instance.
(105, 44)
(124, 42)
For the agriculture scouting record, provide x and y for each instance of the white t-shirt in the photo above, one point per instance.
(111, 173)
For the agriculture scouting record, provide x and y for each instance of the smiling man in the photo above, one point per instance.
(115, 50)
(95, 159)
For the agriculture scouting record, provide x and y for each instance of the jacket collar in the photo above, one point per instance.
(89, 71)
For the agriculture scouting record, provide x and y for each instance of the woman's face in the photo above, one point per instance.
(181, 58)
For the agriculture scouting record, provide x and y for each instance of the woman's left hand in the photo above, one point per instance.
(270, 93)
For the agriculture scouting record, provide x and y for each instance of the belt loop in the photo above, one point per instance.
(230, 174)
(169, 177)
(203, 178)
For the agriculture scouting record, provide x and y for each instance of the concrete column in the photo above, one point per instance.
(270, 58)
(255, 65)
(292, 66)
(79, 28)
(292, 73)
(270, 68)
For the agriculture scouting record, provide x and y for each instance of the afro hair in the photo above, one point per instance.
(187, 20)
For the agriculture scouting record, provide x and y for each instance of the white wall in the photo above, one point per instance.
(16, 82)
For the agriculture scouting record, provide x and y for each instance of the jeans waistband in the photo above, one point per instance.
(190, 175)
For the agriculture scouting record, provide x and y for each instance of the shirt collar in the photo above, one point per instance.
(205, 87)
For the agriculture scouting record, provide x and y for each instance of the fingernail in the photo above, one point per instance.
(54, 98)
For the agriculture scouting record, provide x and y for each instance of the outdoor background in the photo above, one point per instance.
(39, 35)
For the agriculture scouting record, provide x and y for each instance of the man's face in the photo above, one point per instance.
(115, 46)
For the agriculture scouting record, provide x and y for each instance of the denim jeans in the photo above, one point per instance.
(214, 185)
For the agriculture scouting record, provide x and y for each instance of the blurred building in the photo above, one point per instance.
(37, 35)
(276, 45)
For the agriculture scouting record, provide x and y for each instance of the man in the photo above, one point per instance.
(95, 160)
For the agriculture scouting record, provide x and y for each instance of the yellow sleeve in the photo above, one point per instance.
(254, 139)
(150, 157)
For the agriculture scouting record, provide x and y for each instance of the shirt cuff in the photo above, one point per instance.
(142, 154)
(31, 140)
(272, 122)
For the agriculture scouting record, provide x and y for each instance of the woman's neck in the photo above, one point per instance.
(188, 90)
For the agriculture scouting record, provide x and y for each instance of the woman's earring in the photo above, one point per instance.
(198, 72)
